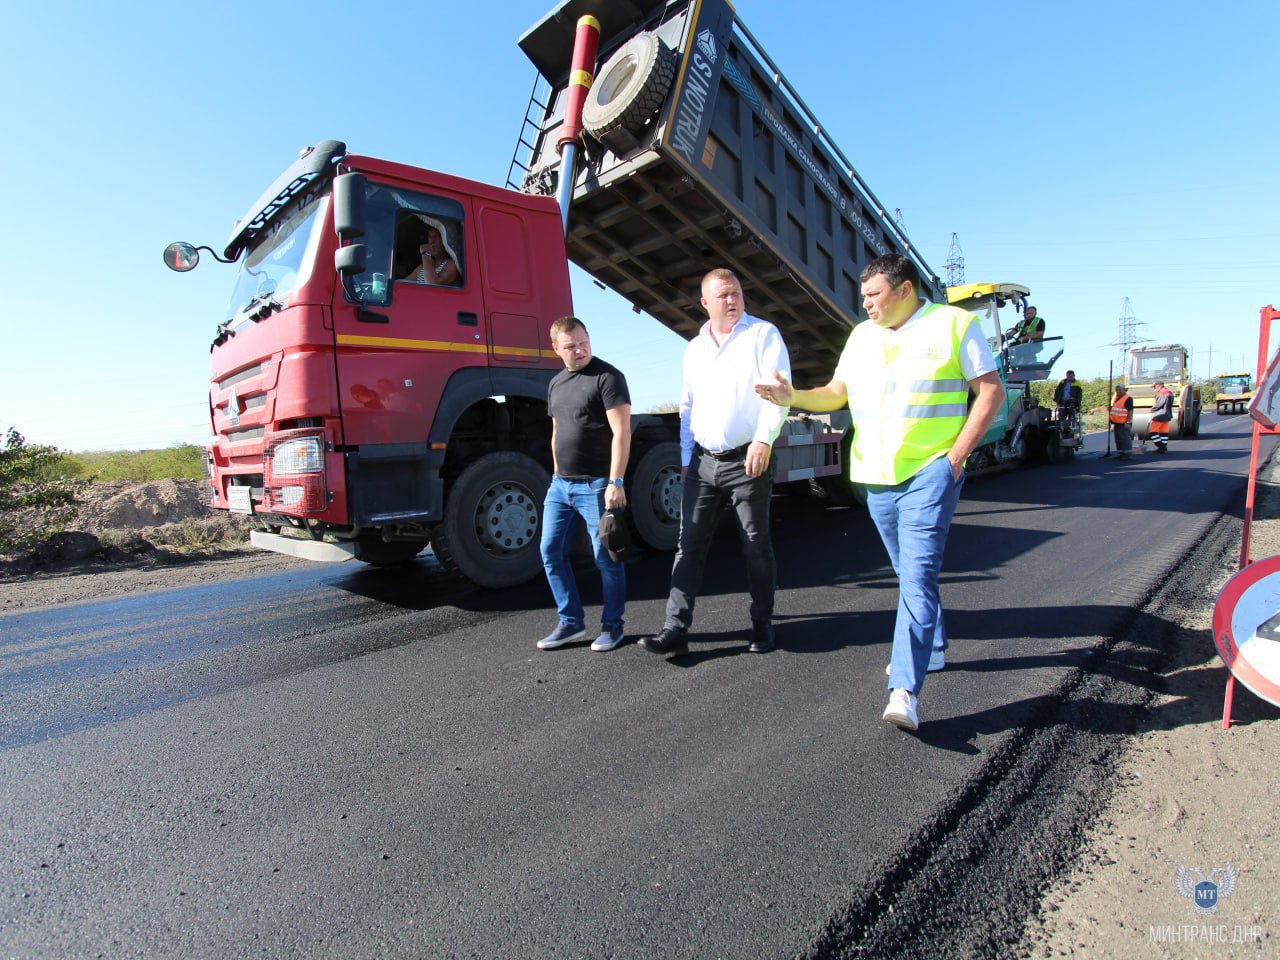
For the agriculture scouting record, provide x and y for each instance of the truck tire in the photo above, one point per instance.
(1181, 424)
(1033, 446)
(631, 87)
(380, 553)
(655, 494)
(493, 521)
(1054, 452)
(838, 492)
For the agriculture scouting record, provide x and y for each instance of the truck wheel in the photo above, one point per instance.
(1053, 450)
(377, 552)
(654, 497)
(838, 491)
(1032, 446)
(493, 520)
(631, 87)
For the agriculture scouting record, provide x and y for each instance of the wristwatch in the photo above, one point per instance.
(616, 481)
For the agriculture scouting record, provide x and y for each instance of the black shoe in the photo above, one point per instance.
(761, 636)
(667, 642)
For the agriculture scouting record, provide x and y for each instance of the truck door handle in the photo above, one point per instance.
(468, 320)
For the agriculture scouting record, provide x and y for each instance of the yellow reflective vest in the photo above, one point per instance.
(907, 393)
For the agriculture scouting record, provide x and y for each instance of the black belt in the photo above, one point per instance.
(737, 453)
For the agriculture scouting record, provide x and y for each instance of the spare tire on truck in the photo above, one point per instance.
(492, 522)
(631, 88)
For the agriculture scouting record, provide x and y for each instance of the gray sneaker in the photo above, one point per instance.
(609, 638)
(562, 634)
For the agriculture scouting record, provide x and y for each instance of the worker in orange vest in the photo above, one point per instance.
(1121, 416)
(1161, 415)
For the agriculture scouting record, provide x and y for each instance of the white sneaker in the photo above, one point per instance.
(901, 711)
(937, 660)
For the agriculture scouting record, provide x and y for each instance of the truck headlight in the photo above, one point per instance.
(304, 455)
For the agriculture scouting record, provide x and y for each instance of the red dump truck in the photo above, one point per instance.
(357, 414)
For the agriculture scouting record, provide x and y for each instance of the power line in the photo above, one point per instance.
(1128, 332)
(955, 263)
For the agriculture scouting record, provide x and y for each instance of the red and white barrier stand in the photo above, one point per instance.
(1246, 617)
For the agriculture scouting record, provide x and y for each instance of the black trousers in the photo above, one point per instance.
(707, 486)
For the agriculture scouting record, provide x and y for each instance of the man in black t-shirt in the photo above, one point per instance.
(590, 412)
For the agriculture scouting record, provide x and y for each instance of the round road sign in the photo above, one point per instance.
(1246, 627)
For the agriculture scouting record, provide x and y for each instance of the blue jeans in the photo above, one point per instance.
(913, 518)
(566, 501)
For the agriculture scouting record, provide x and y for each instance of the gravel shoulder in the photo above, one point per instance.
(1186, 793)
(99, 580)
(134, 537)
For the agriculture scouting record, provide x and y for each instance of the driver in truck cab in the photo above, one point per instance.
(1030, 329)
(435, 262)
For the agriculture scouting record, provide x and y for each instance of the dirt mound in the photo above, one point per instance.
(131, 522)
(129, 505)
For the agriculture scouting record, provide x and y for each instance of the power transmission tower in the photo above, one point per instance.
(897, 218)
(1128, 332)
(955, 263)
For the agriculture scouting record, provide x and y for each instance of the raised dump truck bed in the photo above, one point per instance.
(699, 154)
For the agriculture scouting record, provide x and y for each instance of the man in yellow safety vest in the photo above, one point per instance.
(906, 377)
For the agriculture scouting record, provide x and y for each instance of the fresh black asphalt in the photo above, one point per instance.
(355, 762)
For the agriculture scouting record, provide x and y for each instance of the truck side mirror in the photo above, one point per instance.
(349, 260)
(181, 257)
(348, 205)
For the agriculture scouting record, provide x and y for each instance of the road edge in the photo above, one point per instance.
(969, 883)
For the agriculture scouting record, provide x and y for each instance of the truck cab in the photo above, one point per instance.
(352, 394)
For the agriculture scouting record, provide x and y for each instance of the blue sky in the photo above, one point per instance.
(1090, 151)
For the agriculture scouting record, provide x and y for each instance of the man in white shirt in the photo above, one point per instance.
(726, 445)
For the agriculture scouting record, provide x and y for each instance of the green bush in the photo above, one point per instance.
(36, 495)
(1095, 392)
(182, 460)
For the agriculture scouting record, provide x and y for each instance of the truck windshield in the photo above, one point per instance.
(1148, 367)
(1233, 384)
(278, 265)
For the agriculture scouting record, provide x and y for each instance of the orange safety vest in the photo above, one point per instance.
(1118, 413)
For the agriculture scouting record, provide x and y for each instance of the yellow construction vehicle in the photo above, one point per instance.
(1023, 430)
(1165, 364)
(1235, 390)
